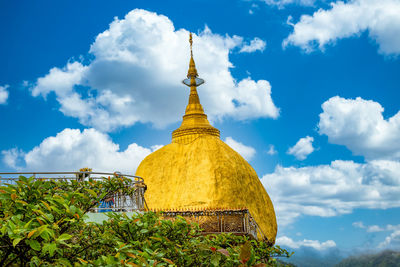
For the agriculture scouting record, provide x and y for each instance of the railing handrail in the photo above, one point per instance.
(140, 179)
(257, 226)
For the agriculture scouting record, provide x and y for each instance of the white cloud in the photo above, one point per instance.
(72, 149)
(335, 189)
(156, 147)
(359, 125)
(392, 241)
(246, 152)
(370, 228)
(302, 148)
(255, 45)
(315, 244)
(359, 225)
(271, 151)
(253, 7)
(390, 227)
(374, 228)
(135, 75)
(283, 3)
(3, 94)
(349, 19)
(10, 157)
(61, 80)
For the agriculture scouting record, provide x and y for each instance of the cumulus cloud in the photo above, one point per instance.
(315, 244)
(334, 189)
(3, 94)
(302, 148)
(359, 125)
(135, 72)
(72, 149)
(247, 152)
(255, 45)
(347, 19)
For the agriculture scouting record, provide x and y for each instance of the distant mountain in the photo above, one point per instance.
(387, 258)
(281, 263)
(310, 257)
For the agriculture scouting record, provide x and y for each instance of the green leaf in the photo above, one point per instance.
(16, 241)
(64, 237)
(168, 261)
(63, 262)
(215, 258)
(23, 179)
(34, 244)
(92, 193)
(56, 210)
(28, 223)
(46, 234)
(50, 248)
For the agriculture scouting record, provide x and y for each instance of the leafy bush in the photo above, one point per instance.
(42, 223)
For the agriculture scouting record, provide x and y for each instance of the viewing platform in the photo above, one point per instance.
(221, 220)
(117, 202)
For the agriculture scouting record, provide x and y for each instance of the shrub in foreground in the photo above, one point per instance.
(42, 223)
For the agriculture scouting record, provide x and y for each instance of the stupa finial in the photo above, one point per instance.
(192, 72)
(192, 76)
(191, 43)
(194, 121)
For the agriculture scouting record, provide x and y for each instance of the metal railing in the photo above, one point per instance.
(117, 202)
(214, 221)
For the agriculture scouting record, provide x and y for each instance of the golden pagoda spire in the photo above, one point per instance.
(192, 72)
(195, 121)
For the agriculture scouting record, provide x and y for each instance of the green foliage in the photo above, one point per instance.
(42, 224)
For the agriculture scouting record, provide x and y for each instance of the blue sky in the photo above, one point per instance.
(306, 90)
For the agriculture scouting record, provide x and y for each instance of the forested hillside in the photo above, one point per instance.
(386, 258)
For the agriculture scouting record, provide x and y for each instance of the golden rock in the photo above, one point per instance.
(199, 171)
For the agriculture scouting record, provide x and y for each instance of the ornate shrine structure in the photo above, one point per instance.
(201, 178)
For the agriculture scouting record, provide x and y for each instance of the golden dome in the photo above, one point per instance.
(198, 170)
